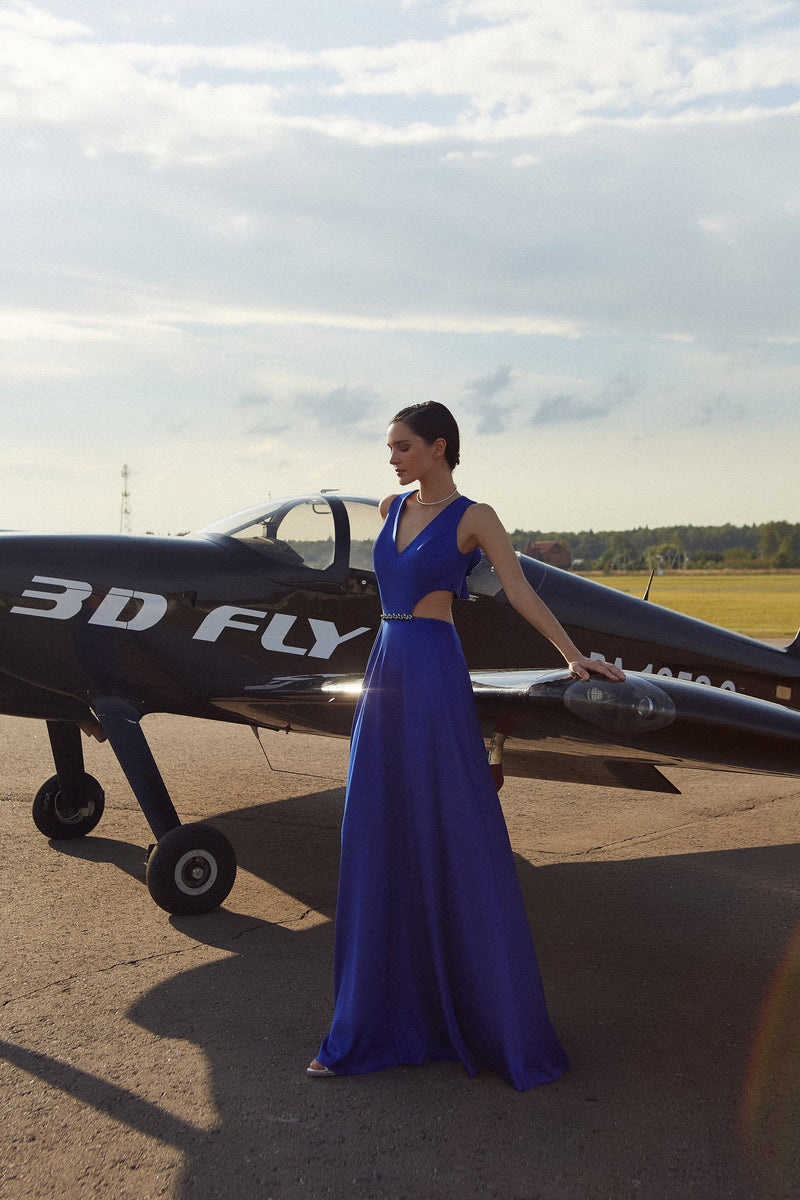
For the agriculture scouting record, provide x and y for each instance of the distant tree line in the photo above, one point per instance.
(774, 545)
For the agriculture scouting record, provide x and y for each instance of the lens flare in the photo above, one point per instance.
(771, 1100)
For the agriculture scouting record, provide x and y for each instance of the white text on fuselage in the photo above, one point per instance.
(668, 673)
(67, 600)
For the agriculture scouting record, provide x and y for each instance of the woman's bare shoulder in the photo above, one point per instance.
(386, 504)
(481, 516)
(480, 527)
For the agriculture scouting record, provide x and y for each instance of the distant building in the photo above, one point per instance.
(555, 554)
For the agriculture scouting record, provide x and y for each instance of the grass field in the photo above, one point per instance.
(761, 604)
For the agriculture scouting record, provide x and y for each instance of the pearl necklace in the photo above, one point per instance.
(433, 503)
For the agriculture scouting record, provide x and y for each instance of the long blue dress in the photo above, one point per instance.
(434, 959)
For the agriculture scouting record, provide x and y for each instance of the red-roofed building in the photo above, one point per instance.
(555, 554)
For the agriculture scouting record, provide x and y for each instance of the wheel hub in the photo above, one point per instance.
(195, 872)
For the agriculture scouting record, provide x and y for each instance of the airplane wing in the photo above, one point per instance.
(551, 725)
(321, 704)
(544, 724)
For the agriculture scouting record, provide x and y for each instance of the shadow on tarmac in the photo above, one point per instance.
(674, 983)
(130, 858)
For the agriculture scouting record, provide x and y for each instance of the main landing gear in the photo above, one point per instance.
(191, 868)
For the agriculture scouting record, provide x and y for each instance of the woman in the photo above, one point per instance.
(434, 959)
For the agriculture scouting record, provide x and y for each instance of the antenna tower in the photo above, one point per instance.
(125, 507)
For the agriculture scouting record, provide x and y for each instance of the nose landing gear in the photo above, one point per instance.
(191, 868)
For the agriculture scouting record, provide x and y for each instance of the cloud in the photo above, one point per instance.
(130, 98)
(491, 384)
(502, 401)
(27, 19)
(256, 400)
(349, 409)
(494, 415)
(565, 409)
(495, 72)
(523, 70)
(721, 411)
(281, 227)
(157, 313)
(273, 418)
(303, 413)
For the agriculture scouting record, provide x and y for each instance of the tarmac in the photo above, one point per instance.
(143, 1055)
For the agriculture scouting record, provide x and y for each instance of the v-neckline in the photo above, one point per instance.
(419, 532)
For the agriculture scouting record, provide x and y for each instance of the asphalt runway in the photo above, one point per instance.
(145, 1056)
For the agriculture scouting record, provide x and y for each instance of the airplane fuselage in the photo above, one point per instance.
(268, 619)
(174, 622)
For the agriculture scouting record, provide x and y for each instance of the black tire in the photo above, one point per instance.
(191, 869)
(56, 819)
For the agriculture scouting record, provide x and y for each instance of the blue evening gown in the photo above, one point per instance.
(434, 959)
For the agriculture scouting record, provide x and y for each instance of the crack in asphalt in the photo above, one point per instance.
(61, 983)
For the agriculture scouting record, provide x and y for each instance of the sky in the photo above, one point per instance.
(237, 238)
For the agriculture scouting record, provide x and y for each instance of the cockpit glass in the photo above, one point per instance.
(247, 521)
(365, 523)
(307, 529)
(302, 531)
(294, 532)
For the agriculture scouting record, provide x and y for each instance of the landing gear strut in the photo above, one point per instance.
(71, 802)
(191, 868)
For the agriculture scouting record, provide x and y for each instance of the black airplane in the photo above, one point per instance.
(266, 618)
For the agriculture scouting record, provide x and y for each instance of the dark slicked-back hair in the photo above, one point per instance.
(430, 421)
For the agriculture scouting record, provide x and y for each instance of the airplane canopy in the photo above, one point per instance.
(320, 532)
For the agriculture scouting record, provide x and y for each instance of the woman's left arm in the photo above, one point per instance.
(484, 530)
